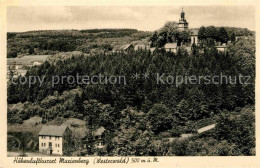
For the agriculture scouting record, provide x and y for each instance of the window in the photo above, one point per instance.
(57, 150)
(49, 137)
(58, 145)
(42, 144)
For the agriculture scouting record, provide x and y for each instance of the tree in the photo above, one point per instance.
(223, 35)
(154, 39)
(159, 118)
(184, 37)
(31, 50)
(233, 38)
(11, 54)
(237, 129)
(202, 33)
(211, 32)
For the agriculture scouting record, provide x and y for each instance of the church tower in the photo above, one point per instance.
(183, 24)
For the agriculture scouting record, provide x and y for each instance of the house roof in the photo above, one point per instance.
(152, 49)
(53, 130)
(223, 46)
(124, 47)
(188, 49)
(99, 131)
(170, 45)
(194, 32)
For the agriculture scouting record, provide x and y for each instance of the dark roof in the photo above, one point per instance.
(53, 130)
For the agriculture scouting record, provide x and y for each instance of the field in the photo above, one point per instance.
(28, 59)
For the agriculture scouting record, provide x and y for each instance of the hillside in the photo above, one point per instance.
(150, 118)
(53, 41)
(45, 42)
(143, 114)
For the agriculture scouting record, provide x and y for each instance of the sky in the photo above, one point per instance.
(27, 18)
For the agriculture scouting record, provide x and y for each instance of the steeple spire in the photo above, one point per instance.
(183, 24)
(182, 15)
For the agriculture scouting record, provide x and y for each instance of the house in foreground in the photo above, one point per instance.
(171, 47)
(54, 139)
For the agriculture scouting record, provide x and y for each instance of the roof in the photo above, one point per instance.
(194, 32)
(188, 49)
(124, 47)
(33, 120)
(99, 131)
(223, 46)
(186, 135)
(53, 130)
(153, 49)
(170, 45)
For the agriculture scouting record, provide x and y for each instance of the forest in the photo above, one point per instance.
(47, 42)
(141, 115)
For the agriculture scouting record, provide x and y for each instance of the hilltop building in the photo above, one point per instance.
(53, 139)
(194, 36)
(183, 24)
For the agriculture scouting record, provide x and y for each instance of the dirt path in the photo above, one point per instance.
(207, 128)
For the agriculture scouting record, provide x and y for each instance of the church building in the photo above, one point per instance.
(183, 24)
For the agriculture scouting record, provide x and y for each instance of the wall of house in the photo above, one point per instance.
(194, 39)
(171, 50)
(221, 49)
(57, 144)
